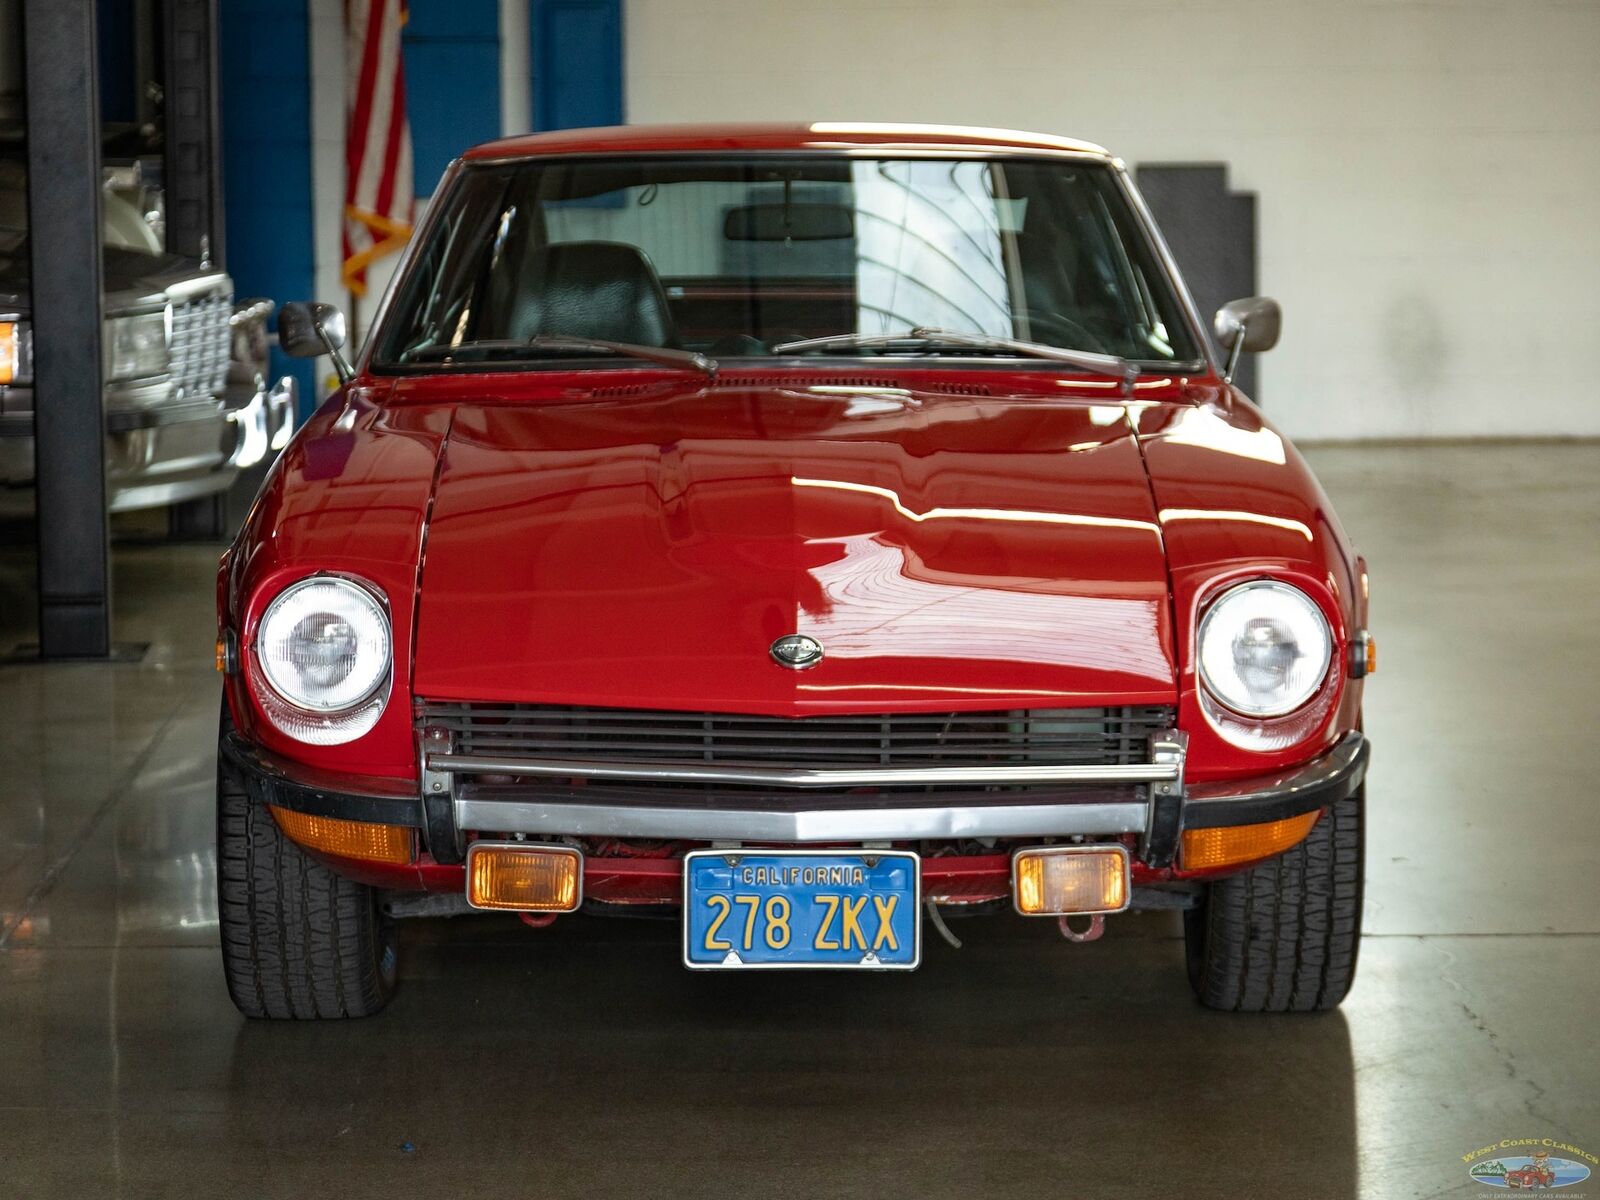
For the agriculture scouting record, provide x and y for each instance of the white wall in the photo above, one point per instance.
(1429, 173)
(516, 75)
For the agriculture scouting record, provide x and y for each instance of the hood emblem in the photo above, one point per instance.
(796, 651)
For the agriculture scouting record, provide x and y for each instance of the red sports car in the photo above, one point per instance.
(1534, 1175)
(800, 531)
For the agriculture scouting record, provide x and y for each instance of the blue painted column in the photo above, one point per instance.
(577, 63)
(452, 59)
(264, 84)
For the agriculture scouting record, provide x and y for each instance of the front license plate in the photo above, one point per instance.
(802, 908)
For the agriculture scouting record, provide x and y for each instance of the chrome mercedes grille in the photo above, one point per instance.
(201, 343)
(1062, 736)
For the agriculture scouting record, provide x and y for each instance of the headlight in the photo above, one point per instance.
(324, 657)
(136, 347)
(1264, 648)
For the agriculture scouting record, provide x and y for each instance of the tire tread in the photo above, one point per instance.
(1284, 936)
(299, 940)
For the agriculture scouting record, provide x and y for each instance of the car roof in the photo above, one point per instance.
(842, 136)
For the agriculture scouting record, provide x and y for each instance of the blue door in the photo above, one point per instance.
(264, 85)
(577, 63)
(452, 57)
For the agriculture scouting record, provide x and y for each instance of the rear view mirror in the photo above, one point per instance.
(1251, 324)
(306, 330)
(789, 223)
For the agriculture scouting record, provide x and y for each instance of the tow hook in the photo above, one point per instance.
(1097, 926)
(537, 920)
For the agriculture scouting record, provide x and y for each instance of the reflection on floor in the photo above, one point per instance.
(582, 1059)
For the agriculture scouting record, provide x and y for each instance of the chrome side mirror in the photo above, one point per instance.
(306, 330)
(1251, 324)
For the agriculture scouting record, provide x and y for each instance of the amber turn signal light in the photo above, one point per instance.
(1363, 655)
(10, 349)
(524, 878)
(393, 845)
(1229, 845)
(1054, 881)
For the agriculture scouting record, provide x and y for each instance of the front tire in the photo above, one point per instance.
(1284, 936)
(299, 941)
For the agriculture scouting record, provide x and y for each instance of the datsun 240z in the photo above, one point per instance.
(803, 531)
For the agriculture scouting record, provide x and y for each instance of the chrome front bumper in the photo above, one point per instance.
(1149, 799)
(1087, 801)
(479, 808)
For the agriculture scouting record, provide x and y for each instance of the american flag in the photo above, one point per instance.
(378, 196)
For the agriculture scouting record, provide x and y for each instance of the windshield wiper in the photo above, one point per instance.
(928, 338)
(558, 343)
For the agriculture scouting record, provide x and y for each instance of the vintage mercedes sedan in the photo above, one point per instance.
(803, 532)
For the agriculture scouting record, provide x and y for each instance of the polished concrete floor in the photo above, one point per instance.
(581, 1060)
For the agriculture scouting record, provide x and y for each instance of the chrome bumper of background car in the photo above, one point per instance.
(160, 451)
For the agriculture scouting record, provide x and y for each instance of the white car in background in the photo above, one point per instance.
(187, 406)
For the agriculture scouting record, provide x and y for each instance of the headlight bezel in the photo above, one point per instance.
(1231, 705)
(297, 715)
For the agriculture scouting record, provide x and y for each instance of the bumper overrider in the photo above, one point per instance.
(1146, 804)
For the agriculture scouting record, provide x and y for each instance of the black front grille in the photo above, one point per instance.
(1062, 736)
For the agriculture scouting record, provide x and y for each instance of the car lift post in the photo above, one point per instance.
(193, 179)
(63, 133)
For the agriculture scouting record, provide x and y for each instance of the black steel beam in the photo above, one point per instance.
(193, 170)
(63, 113)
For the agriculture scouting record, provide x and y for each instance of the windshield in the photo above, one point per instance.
(734, 257)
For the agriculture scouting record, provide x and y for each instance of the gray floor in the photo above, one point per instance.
(582, 1060)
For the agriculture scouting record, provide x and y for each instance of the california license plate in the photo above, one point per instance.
(802, 908)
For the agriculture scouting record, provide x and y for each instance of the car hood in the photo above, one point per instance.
(949, 552)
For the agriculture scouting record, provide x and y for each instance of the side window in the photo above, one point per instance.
(1082, 285)
(446, 283)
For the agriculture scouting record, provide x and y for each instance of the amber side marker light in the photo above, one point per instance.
(524, 878)
(1228, 845)
(390, 844)
(1363, 655)
(8, 351)
(1054, 881)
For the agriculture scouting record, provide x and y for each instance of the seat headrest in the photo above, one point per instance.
(604, 290)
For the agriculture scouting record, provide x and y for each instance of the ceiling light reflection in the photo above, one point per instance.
(1205, 429)
(974, 514)
(1224, 514)
(876, 609)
